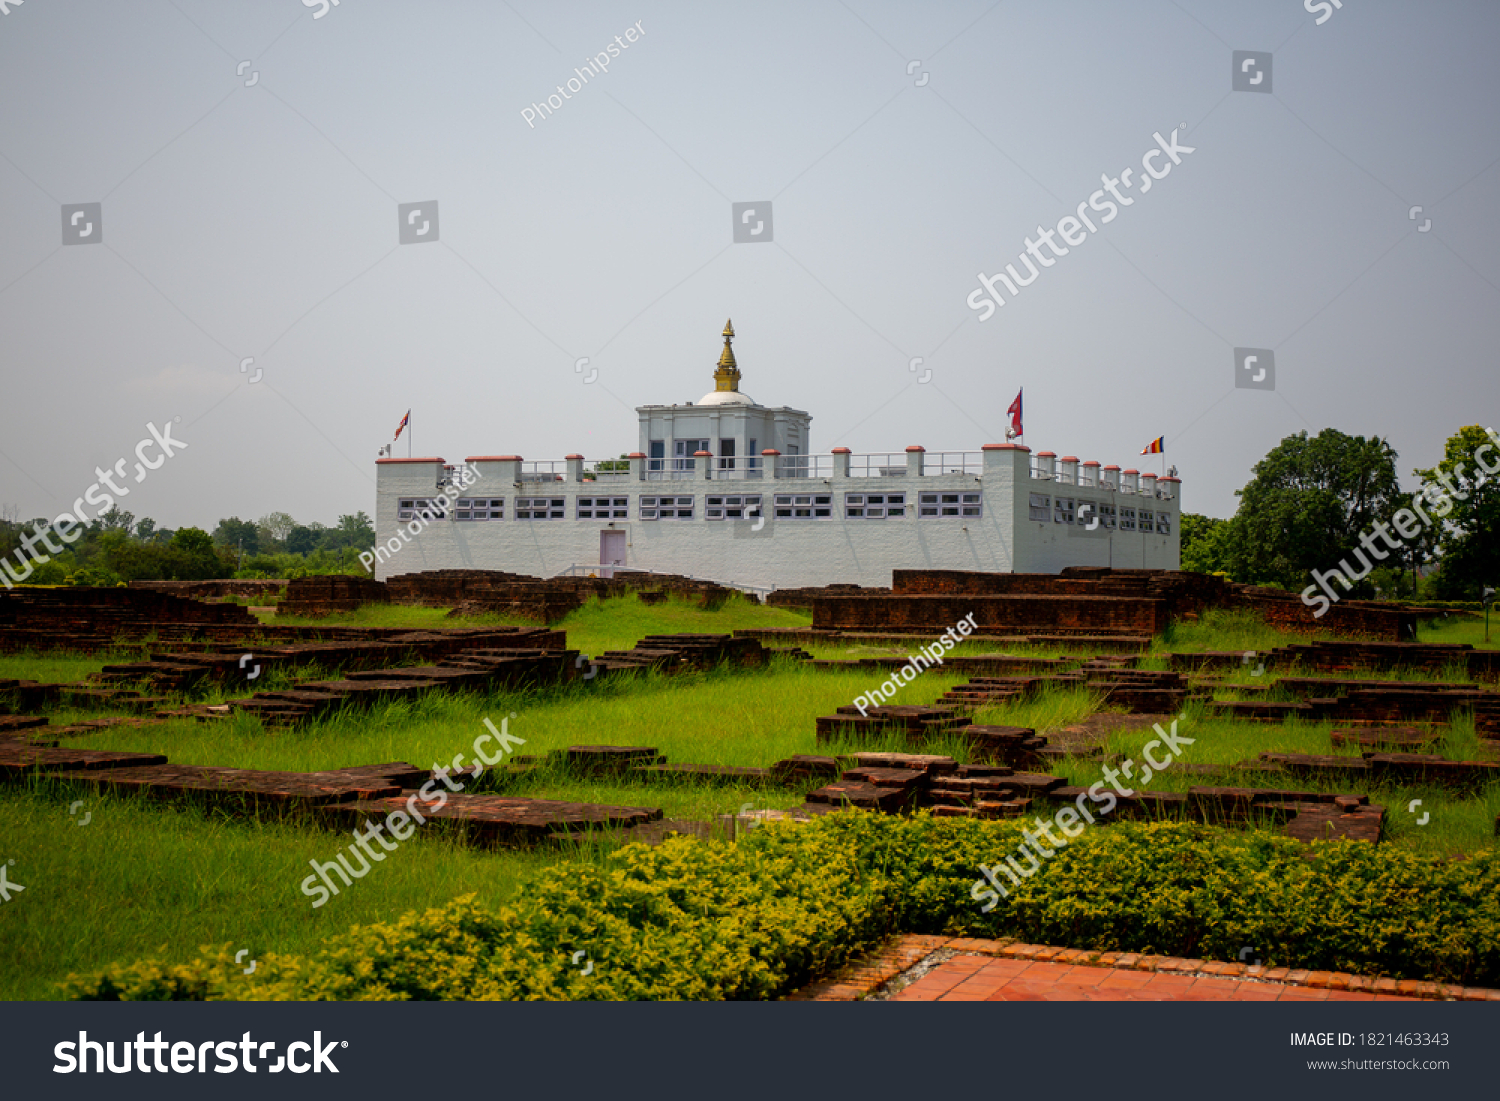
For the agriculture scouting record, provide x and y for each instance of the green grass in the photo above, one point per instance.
(150, 879)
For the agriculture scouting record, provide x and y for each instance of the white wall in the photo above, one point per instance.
(784, 553)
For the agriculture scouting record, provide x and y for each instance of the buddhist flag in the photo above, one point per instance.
(404, 422)
(1015, 428)
(1155, 447)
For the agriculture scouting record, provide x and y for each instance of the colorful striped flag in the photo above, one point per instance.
(404, 422)
(1155, 447)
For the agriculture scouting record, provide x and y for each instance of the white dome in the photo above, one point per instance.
(727, 397)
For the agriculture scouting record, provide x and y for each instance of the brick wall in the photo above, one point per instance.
(268, 589)
(995, 615)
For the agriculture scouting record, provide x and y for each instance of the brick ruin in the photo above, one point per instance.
(1082, 601)
(1389, 730)
(262, 589)
(481, 592)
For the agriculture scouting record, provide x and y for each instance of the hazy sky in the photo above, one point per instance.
(262, 221)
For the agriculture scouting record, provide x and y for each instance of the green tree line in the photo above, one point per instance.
(1333, 502)
(117, 548)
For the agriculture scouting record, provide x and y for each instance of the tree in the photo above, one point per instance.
(193, 541)
(355, 531)
(237, 535)
(274, 527)
(1465, 492)
(1205, 543)
(145, 531)
(301, 540)
(1308, 504)
(117, 519)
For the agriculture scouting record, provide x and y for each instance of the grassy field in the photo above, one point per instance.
(152, 879)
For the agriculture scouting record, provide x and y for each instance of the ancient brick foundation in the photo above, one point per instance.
(1085, 601)
(259, 589)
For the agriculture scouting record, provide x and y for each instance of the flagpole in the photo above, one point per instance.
(408, 435)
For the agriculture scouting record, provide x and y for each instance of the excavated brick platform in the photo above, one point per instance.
(243, 787)
(498, 819)
(20, 759)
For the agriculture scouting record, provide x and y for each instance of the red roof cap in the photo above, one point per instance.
(1070, 458)
(1046, 454)
(841, 451)
(915, 447)
(572, 456)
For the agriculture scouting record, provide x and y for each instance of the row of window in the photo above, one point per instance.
(784, 506)
(1067, 510)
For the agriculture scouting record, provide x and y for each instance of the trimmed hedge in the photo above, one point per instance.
(706, 921)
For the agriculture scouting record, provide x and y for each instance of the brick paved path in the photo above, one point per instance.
(986, 979)
(960, 969)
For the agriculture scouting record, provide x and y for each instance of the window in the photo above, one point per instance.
(1127, 519)
(541, 508)
(1163, 523)
(1107, 516)
(804, 506)
(683, 451)
(874, 506)
(738, 507)
(1062, 510)
(752, 460)
(479, 508)
(1041, 507)
(957, 504)
(657, 460)
(726, 454)
(666, 508)
(603, 508)
(418, 508)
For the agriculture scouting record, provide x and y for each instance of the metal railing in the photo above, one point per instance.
(953, 462)
(888, 464)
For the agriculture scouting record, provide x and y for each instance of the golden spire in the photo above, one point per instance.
(727, 377)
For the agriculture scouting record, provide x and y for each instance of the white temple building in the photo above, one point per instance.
(728, 490)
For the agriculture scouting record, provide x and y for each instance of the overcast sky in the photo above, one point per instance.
(251, 211)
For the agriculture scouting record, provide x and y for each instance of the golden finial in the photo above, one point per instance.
(727, 377)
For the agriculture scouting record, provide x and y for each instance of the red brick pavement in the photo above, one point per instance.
(986, 979)
(1007, 970)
